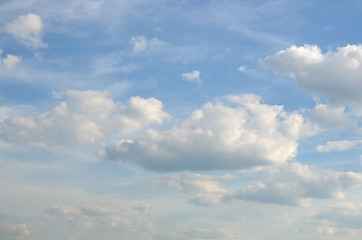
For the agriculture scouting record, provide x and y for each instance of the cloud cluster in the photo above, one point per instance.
(293, 184)
(141, 43)
(193, 76)
(296, 183)
(329, 117)
(344, 218)
(84, 117)
(14, 230)
(203, 190)
(345, 215)
(241, 134)
(95, 216)
(27, 30)
(333, 75)
(217, 233)
(144, 207)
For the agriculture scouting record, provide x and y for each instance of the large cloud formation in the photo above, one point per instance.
(240, 134)
(293, 184)
(334, 75)
(84, 117)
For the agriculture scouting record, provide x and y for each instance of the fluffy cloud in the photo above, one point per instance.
(204, 189)
(83, 118)
(334, 75)
(218, 233)
(10, 61)
(94, 216)
(296, 184)
(193, 76)
(343, 218)
(337, 145)
(244, 133)
(144, 207)
(13, 230)
(27, 30)
(346, 214)
(141, 43)
(329, 117)
(242, 68)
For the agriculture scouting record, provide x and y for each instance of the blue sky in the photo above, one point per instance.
(180, 120)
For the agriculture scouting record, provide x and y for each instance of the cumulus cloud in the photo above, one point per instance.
(142, 207)
(243, 133)
(84, 117)
(296, 183)
(10, 61)
(242, 68)
(27, 30)
(329, 117)
(333, 75)
(94, 216)
(14, 230)
(141, 43)
(344, 218)
(204, 190)
(193, 76)
(345, 214)
(337, 145)
(217, 233)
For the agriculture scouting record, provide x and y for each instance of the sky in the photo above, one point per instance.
(184, 120)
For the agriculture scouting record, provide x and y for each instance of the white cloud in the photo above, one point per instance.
(141, 43)
(217, 233)
(96, 216)
(344, 218)
(11, 61)
(84, 117)
(26, 29)
(295, 184)
(332, 117)
(204, 189)
(337, 145)
(243, 133)
(193, 76)
(345, 214)
(144, 207)
(99, 210)
(14, 230)
(242, 68)
(334, 75)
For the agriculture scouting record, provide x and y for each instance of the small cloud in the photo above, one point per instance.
(27, 30)
(193, 76)
(242, 68)
(141, 43)
(337, 146)
(145, 207)
(10, 61)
